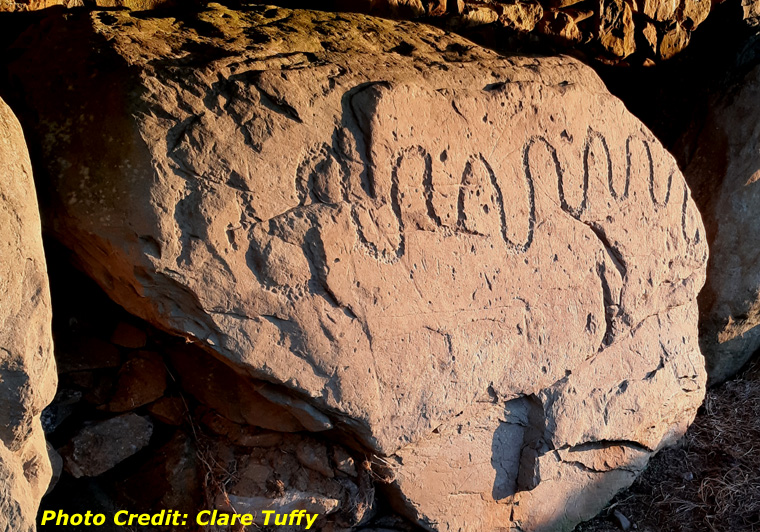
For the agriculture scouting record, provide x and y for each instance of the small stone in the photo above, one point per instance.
(622, 521)
(140, 381)
(127, 335)
(521, 16)
(403, 9)
(649, 34)
(560, 25)
(688, 476)
(56, 463)
(169, 410)
(101, 392)
(479, 16)
(312, 419)
(86, 353)
(673, 42)
(750, 11)
(559, 4)
(659, 10)
(615, 28)
(693, 13)
(343, 461)
(60, 409)
(579, 15)
(314, 456)
(171, 478)
(436, 8)
(242, 435)
(99, 447)
(256, 473)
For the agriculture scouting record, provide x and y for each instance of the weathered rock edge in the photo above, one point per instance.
(27, 368)
(300, 193)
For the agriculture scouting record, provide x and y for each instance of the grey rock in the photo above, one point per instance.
(97, 448)
(621, 521)
(56, 462)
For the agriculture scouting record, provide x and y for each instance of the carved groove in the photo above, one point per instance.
(652, 195)
(572, 211)
(592, 135)
(305, 190)
(499, 199)
(427, 180)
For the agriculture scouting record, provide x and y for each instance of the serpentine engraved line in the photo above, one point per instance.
(608, 159)
(574, 212)
(466, 180)
(652, 195)
(519, 248)
(628, 168)
(498, 198)
(427, 183)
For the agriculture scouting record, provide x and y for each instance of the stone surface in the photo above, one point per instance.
(452, 246)
(615, 27)
(27, 368)
(169, 410)
(693, 13)
(101, 446)
(236, 398)
(673, 41)
(561, 26)
(659, 10)
(141, 380)
(649, 37)
(297, 473)
(751, 12)
(127, 335)
(60, 409)
(724, 174)
(478, 15)
(171, 479)
(34, 5)
(521, 16)
(87, 353)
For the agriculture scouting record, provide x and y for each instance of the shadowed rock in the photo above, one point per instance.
(724, 174)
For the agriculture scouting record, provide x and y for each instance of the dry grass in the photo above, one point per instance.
(712, 481)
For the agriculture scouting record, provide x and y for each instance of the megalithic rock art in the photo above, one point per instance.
(482, 268)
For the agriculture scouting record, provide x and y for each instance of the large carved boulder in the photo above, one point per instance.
(27, 367)
(724, 174)
(482, 269)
